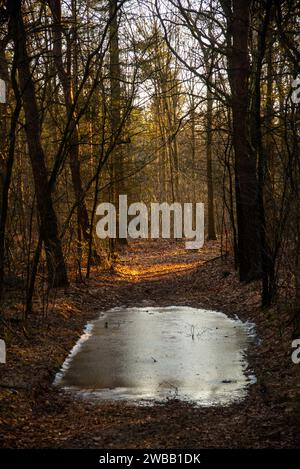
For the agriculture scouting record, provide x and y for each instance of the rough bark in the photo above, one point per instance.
(57, 275)
(249, 248)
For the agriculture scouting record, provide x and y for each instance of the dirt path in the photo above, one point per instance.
(34, 414)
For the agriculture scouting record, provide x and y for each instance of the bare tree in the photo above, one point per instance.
(57, 274)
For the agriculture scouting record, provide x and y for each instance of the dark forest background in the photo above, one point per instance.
(161, 100)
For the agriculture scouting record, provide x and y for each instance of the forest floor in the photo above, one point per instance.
(35, 414)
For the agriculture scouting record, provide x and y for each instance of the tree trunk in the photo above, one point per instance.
(5, 167)
(249, 251)
(3, 119)
(210, 188)
(117, 164)
(267, 261)
(57, 275)
(74, 158)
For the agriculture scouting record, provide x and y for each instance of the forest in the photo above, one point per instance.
(170, 102)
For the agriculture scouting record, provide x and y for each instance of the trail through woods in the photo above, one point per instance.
(33, 413)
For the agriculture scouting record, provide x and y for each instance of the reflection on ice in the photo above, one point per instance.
(154, 354)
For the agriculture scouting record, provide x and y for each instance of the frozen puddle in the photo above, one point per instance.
(155, 354)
